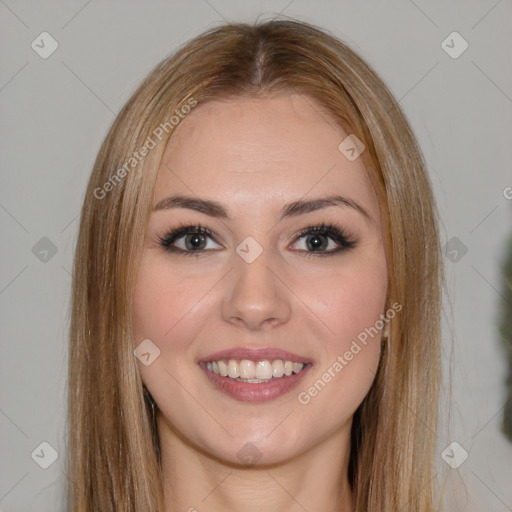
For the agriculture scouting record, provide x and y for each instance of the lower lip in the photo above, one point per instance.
(256, 392)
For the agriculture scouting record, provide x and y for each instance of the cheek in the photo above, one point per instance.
(168, 310)
(163, 299)
(348, 301)
(349, 305)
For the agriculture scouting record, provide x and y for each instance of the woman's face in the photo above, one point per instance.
(253, 287)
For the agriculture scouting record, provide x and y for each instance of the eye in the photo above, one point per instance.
(194, 240)
(193, 243)
(316, 240)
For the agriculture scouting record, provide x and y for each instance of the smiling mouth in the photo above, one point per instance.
(254, 381)
(248, 371)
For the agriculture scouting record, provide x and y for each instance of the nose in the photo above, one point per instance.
(257, 296)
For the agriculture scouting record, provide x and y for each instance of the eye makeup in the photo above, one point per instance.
(197, 235)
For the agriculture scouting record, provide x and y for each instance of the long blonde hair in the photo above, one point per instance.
(113, 448)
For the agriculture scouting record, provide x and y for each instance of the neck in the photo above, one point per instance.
(315, 481)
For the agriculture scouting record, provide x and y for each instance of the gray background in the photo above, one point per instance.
(56, 111)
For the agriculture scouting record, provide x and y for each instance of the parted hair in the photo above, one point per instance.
(113, 452)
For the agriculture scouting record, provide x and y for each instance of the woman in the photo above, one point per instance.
(257, 292)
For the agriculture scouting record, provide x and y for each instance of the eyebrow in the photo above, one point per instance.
(217, 210)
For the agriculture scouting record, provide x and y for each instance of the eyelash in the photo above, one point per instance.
(338, 234)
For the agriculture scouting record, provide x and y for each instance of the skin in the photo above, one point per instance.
(255, 155)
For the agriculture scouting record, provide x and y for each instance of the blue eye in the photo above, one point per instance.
(195, 240)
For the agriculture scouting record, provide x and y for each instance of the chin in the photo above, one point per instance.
(253, 451)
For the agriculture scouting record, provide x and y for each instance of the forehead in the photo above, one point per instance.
(266, 151)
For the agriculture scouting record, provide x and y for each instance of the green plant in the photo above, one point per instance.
(506, 337)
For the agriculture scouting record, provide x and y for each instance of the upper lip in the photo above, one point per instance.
(255, 354)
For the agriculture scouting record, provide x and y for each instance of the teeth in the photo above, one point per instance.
(254, 372)
(223, 368)
(263, 370)
(278, 369)
(297, 367)
(233, 369)
(247, 370)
